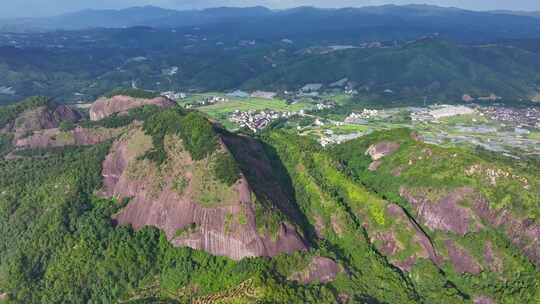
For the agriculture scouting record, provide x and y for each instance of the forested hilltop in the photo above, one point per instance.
(136, 200)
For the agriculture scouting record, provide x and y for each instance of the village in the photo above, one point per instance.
(258, 120)
(493, 127)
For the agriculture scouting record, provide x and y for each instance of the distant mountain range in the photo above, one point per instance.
(414, 50)
(399, 21)
(130, 17)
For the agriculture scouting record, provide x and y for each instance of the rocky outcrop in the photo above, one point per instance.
(382, 149)
(483, 300)
(227, 228)
(450, 214)
(375, 165)
(493, 261)
(524, 233)
(56, 138)
(42, 118)
(462, 261)
(104, 107)
(390, 244)
(445, 214)
(319, 270)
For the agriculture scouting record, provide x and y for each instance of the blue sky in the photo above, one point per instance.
(28, 8)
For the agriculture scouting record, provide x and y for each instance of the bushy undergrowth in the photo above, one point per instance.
(196, 132)
(226, 169)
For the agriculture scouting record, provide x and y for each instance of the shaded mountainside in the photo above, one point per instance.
(165, 205)
(433, 67)
(429, 67)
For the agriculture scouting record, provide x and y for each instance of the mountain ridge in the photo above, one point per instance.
(170, 206)
(161, 17)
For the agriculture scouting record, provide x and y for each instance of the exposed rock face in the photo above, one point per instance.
(494, 262)
(391, 246)
(42, 118)
(462, 261)
(524, 233)
(104, 107)
(56, 138)
(375, 165)
(320, 270)
(227, 228)
(483, 300)
(446, 214)
(382, 149)
(378, 151)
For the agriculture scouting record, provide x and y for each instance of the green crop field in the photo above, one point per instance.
(247, 104)
(348, 128)
(534, 135)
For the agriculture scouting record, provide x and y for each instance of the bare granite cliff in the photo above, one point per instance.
(319, 270)
(41, 118)
(104, 106)
(56, 138)
(182, 198)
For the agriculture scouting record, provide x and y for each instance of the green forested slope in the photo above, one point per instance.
(434, 68)
(59, 242)
(438, 69)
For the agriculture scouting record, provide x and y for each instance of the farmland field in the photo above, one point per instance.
(247, 104)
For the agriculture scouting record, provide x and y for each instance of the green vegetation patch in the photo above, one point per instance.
(180, 184)
(66, 126)
(267, 218)
(188, 229)
(247, 104)
(369, 273)
(5, 143)
(197, 133)
(225, 168)
(207, 189)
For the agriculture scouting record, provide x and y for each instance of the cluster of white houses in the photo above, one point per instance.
(258, 120)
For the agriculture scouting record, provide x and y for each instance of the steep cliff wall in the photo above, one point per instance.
(182, 198)
(104, 107)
